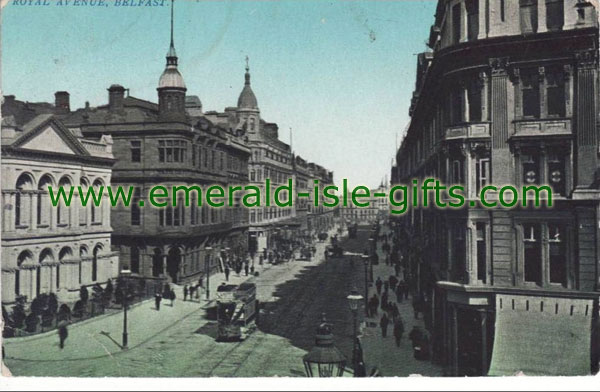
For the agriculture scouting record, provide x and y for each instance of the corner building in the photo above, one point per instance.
(172, 143)
(508, 94)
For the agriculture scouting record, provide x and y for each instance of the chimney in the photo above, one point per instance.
(116, 96)
(62, 102)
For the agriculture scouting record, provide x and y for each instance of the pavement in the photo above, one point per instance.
(382, 352)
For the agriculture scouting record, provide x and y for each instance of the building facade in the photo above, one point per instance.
(172, 143)
(48, 249)
(508, 94)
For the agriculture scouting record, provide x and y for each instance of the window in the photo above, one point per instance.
(555, 92)
(456, 11)
(558, 254)
(193, 155)
(171, 150)
(136, 151)
(502, 10)
(221, 160)
(457, 177)
(457, 105)
(135, 260)
(531, 169)
(530, 90)
(252, 175)
(555, 14)
(482, 173)
(135, 207)
(472, 19)
(532, 253)
(481, 251)
(556, 173)
(474, 97)
(528, 12)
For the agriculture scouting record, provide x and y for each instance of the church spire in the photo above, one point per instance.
(172, 55)
(247, 71)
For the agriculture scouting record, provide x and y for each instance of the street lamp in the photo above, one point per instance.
(324, 360)
(125, 272)
(366, 264)
(354, 300)
(207, 271)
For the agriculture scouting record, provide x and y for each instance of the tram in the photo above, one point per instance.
(236, 311)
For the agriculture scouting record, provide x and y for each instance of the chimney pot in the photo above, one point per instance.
(116, 97)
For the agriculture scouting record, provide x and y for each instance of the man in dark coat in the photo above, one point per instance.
(378, 284)
(246, 268)
(157, 299)
(384, 301)
(393, 282)
(227, 273)
(398, 330)
(63, 334)
(397, 268)
(399, 293)
(185, 292)
(374, 305)
(384, 324)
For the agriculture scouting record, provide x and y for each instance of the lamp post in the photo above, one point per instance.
(366, 264)
(373, 250)
(354, 300)
(207, 271)
(324, 360)
(125, 299)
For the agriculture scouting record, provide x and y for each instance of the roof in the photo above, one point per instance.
(171, 78)
(247, 99)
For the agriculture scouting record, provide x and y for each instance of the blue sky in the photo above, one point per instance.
(340, 73)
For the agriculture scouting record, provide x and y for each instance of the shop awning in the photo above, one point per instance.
(541, 336)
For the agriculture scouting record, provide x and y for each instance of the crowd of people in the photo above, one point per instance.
(394, 290)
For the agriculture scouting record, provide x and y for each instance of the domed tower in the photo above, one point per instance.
(248, 105)
(171, 87)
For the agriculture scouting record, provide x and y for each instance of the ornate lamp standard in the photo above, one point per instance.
(354, 300)
(324, 360)
(207, 271)
(125, 301)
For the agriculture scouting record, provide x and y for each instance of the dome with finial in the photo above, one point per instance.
(247, 99)
(171, 78)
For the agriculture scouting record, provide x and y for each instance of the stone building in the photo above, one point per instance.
(378, 207)
(508, 94)
(320, 218)
(48, 249)
(172, 143)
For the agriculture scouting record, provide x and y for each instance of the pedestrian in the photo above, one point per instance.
(192, 291)
(172, 297)
(393, 282)
(386, 285)
(399, 293)
(63, 334)
(395, 311)
(157, 299)
(374, 310)
(227, 273)
(384, 324)
(398, 331)
(246, 268)
(384, 300)
(185, 293)
(397, 268)
(378, 284)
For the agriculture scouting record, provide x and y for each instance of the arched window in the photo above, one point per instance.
(64, 254)
(62, 210)
(97, 210)
(83, 210)
(157, 263)
(83, 253)
(43, 204)
(97, 250)
(24, 257)
(22, 204)
(46, 256)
